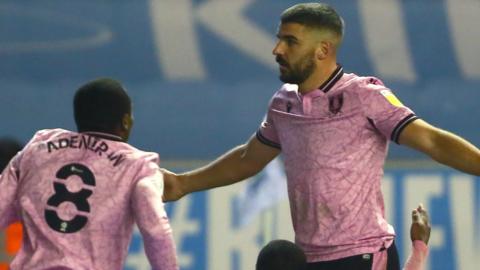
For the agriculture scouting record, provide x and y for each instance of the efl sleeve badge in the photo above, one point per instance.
(391, 98)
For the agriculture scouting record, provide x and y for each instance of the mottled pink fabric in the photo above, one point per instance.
(334, 145)
(78, 196)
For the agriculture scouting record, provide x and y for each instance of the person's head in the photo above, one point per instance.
(103, 105)
(308, 38)
(8, 149)
(281, 255)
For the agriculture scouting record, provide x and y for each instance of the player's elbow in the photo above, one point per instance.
(250, 162)
(156, 229)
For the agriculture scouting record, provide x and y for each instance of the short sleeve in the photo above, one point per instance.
(267, 133)
(384, 110)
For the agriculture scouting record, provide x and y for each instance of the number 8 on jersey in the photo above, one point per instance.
(79, 199)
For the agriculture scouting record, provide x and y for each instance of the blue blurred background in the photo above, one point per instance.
(200, 73)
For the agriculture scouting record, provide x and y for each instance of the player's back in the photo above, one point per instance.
(74, 199)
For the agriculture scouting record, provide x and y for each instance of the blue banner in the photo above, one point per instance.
(209, 236)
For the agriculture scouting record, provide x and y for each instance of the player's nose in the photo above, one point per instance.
(277, 50)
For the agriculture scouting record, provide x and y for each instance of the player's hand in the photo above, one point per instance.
(172, 186)
(420, 229)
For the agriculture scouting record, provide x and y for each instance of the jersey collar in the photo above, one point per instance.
(104, 135)
(334, 78)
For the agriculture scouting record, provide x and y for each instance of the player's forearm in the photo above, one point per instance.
(456, 152)
(416, 260)
(160, 247)
(230, 168)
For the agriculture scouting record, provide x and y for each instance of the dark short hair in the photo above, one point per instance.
(9, 147)
(314, 15)
(100, 105)
(281, 254)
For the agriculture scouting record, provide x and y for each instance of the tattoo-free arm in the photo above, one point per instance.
(237, 164)
(442, 146)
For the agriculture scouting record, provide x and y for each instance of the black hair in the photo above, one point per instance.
(281, 254)
(9, 147)
(314, 15)
(100, 105)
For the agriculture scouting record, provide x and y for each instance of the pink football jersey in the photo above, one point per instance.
(334, 141)
(78, 196)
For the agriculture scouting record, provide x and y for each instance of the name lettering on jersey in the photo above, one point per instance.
(116, 158)
(86, 142)
(391, 98)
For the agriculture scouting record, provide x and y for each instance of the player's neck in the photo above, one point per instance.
(318, 77)
(116, 135)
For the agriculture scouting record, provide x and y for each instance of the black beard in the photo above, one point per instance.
(298, 75)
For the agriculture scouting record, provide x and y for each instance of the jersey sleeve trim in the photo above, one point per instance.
(401, 125)
(266, 141)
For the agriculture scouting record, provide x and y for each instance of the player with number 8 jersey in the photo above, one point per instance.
(79, 194)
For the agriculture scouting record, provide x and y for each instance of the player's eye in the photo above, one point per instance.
(291, 41)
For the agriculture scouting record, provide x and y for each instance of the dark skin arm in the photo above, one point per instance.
(235, 165)
(442, 146)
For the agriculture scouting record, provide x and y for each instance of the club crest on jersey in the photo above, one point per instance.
(289, 106)
(335, 103)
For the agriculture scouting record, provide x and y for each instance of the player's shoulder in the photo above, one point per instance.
(145, 163)
(44, 135)
(286, 90)
(355, 82)
(135, 154)
(362, 85)
(40, 139)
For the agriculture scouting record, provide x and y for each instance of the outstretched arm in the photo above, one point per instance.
(442, 146)
(237, 164)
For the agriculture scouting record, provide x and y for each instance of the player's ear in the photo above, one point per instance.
(323, 50)
(127, 121)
